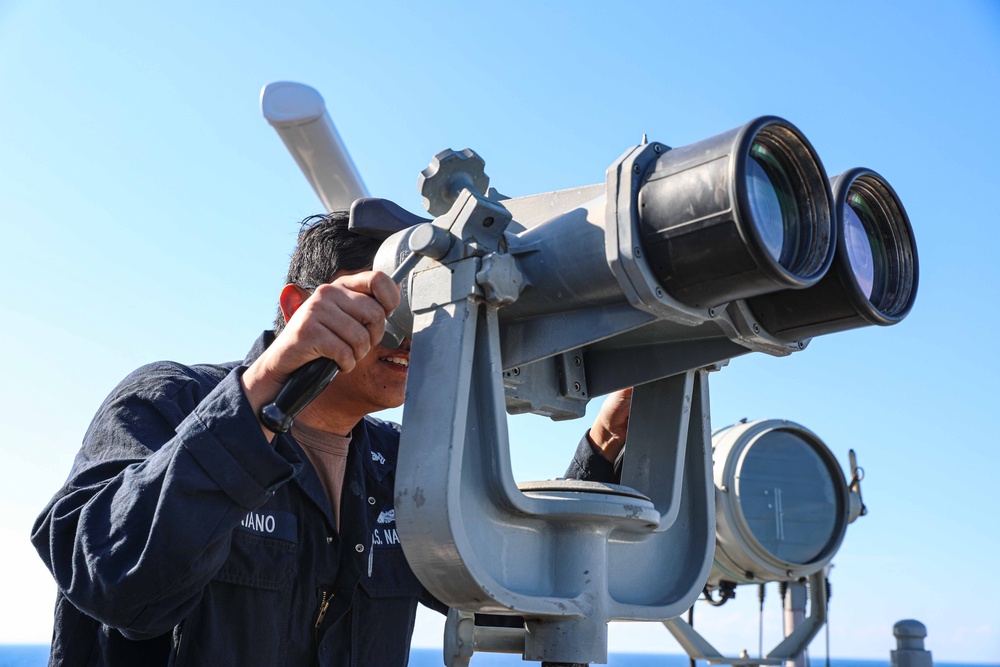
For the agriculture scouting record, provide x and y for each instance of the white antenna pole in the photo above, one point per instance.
(298, 114)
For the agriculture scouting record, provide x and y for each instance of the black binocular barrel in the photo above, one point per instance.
(741, 214)
(874, 276)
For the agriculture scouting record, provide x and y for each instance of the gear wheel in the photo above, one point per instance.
(447, 174)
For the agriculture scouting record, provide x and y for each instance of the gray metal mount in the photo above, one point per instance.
(539, 304)
(567, 556)
(698, 648)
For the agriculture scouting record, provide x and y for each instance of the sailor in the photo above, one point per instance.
(188, 533)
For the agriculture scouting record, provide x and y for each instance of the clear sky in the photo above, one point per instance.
(148, 211)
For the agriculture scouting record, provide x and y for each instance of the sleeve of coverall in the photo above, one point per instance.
(164, 476)
(590, 466)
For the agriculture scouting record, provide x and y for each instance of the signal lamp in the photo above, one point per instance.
(782, 503)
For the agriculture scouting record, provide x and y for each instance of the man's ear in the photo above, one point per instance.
(292, 296)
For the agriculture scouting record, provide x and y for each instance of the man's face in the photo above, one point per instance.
(377, 382)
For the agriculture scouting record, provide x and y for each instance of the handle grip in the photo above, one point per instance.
(305, 384)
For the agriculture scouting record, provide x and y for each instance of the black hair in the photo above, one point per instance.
(326, 246)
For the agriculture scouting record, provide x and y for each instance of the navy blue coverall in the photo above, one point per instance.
(183, 537)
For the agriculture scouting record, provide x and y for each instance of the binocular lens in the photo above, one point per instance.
(772, 202)
(879, 244)
(858, 242)
(874, 277)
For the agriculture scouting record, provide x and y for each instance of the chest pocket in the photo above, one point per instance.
(263, 552)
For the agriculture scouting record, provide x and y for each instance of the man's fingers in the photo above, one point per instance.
(344, 334)
(385, 292)
(616, 409)
(375, 284)
(342, 321)
(336, 306)
(346, 346)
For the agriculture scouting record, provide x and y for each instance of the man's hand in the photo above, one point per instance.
(342, 321)
(609, 429)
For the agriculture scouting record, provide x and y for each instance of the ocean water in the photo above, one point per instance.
(37, 656)
(26, 655)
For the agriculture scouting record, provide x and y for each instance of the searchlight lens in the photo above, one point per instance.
(788, 497)
(772, 201)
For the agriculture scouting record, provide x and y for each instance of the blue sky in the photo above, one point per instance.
(148, 212)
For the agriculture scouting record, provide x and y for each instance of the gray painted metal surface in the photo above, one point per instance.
(803, 631)
(910, 651)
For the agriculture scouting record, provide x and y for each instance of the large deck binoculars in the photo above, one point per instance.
(681, 259)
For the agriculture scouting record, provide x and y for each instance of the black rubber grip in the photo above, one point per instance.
(302, 387)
